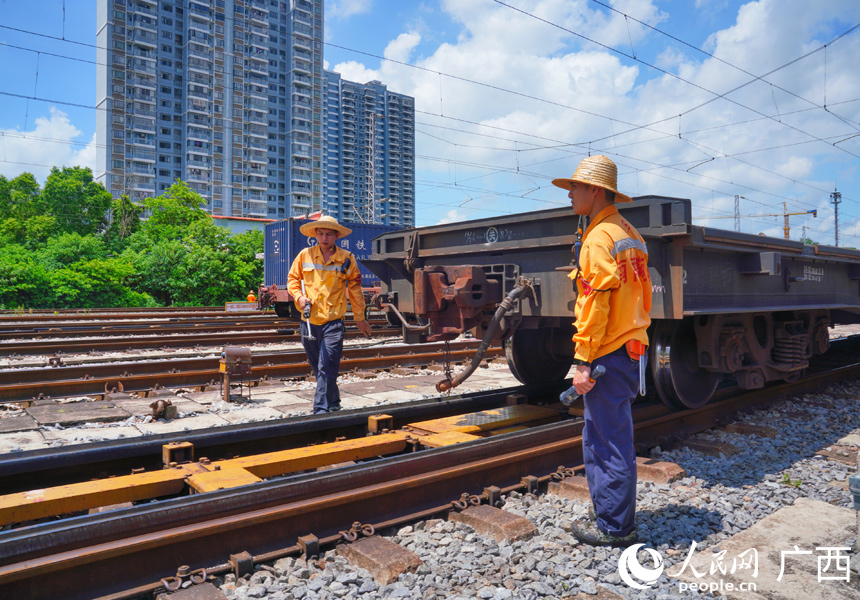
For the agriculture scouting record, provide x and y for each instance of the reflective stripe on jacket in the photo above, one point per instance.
(613, 287)
(326, 285)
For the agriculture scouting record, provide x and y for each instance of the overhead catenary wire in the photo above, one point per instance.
(502, 89)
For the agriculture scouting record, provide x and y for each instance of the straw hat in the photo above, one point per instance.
(326, 222)
(598, 171)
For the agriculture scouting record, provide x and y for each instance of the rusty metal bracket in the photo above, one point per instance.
(242, 563)
(309, 545)
(55, 361)
(531, 482)
(493, 495)
(183, 574)
(466, 500)
(357, 530)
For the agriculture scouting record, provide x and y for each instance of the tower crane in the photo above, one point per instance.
(784, 214)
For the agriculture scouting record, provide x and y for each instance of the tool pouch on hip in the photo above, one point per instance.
(635, 349)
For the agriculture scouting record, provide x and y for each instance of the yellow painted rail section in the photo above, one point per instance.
(201, 477)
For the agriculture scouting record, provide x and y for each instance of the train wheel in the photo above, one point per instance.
(286, 310)
(680, 381)
(530, 357)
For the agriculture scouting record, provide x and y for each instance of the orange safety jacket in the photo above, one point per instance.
(613, 287)
(326, 284)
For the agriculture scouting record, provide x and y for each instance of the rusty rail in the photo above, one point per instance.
(22, 385)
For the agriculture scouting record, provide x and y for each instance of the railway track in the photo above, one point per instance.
(215, 338)
(25, 385)
(303, 511)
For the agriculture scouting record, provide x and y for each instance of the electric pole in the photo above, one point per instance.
(836, 200)
(738, 212)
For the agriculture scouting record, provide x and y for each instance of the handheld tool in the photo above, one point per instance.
(569, 396)
(307, 312)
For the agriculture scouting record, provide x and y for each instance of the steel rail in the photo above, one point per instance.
(43, 348)
(22, 385)
(148, 328)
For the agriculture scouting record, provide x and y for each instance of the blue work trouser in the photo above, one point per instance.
(324, 357)
(607, 443)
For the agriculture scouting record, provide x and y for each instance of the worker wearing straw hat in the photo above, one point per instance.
(320, 279)
(612, 306)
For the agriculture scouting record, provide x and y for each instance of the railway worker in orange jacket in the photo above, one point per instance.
(320, 279)
(612, 305)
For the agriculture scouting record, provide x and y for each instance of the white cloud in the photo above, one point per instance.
(343, 9)
(453, 216)
(51, 143)
(402, 46)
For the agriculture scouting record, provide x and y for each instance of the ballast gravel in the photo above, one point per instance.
(719, 498)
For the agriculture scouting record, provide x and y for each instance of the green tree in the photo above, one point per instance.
(78, 203)
(124, 220)
(23, 281)
(96, 283)
(66, 249)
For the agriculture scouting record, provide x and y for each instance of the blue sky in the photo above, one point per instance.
(701, 99)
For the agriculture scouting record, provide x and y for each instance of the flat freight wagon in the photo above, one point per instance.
(283, 241)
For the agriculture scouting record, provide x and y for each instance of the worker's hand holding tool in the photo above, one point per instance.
(569, 396)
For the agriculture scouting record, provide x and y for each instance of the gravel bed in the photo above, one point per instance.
(718, 498)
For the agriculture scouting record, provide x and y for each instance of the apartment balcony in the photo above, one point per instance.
(256, 131)
(140, 124)
(258, 69)
(198, 175)
(256, 157)
(201, 188)
(303, 21)
(255, 104)
(255, 183)
(304, 5)
(197, 133)
(143, 53)
(145, 23)
(142, 9)
(260, 5)
(198, 106)
(204, 13)
(303, 66)
(198, 163)
(199, 65)
(300, 42)
(198, 51)
(199, 92)
(142, 95)
(257, 209)
(146, 39)
(259, 17)
(297, 151)
(255, 196)
(147, 82)
(204, 27)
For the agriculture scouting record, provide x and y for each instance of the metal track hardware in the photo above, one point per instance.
(466, 500)
(183, 574)
(310, 546)
(357, 530)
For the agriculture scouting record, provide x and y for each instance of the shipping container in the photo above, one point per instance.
(283, 242)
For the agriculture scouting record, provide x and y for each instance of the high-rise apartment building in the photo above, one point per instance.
(226, 95)
(369, 151)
